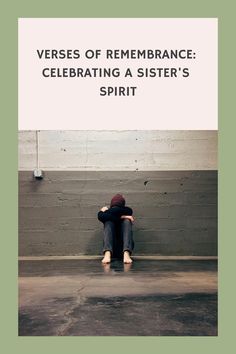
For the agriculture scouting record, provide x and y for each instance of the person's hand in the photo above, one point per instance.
(129, 217)
(105, 208)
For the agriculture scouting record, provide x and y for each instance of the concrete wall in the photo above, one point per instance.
(119, 150)
(175, 209)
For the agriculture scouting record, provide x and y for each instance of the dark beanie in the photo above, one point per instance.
(118, 200)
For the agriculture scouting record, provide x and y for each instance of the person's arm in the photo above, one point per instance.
(105, 214)
(115, 214)
(127, 213)
(129, 217)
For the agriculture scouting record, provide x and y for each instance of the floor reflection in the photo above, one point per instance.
(116, 266)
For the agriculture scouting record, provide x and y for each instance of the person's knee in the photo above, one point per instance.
(127, 223)
(109, 225)
(109, 222)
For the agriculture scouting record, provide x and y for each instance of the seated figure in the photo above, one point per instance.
(118, 235)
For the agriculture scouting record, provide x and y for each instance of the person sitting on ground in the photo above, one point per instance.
(117, 220)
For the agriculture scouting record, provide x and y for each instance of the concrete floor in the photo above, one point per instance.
(148, 298)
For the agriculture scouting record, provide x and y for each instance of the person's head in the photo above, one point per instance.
(118, 200)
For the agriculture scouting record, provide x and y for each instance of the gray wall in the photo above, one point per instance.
(169, 178)
(176, 211)
(119, 150)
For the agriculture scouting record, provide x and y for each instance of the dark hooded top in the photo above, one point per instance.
(116, 210)
(114, 213)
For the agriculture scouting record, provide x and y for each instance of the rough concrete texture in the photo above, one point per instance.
(147, 298)
(175, 211)
(119, 150)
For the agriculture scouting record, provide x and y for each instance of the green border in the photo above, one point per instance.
(10, 12)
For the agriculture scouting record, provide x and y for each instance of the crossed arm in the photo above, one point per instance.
(129, 217)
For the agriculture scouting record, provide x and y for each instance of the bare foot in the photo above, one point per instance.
(107, 257)
(127, 258)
